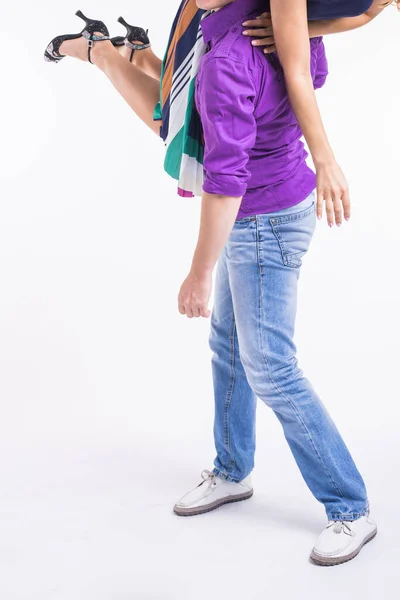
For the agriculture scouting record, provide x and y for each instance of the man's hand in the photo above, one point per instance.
(194, 295)
(218, 214)
(333, 190)
(263, 29)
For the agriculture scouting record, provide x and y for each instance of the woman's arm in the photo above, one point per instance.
(290, 26)
(265, 35)
(289, 22)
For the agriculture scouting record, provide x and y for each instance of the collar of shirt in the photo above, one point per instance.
(220, 21)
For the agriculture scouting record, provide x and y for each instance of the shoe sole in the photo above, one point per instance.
(191, 512)
(331, 562)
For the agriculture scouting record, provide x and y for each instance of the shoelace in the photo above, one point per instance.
(208, 476)
(341, 526)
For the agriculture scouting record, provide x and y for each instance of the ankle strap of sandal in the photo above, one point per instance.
(136, 46)
(91, 38)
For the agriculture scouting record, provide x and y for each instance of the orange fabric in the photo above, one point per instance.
(188, 12)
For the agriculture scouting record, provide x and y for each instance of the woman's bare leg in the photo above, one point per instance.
(139, 90)
(145, 60)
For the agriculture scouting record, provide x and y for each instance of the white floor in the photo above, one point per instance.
(96, 524)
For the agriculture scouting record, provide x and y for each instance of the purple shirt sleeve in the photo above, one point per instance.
(321, 71)
(227, 115)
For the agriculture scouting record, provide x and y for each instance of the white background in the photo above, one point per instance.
(105, 390)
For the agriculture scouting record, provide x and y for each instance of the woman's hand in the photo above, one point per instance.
(332, 189)
(194, 295)
(263, 29)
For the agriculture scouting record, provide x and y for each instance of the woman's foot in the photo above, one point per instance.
(78, 48)
(78, 45)
(140, 57)
(145, 59)
(126, 52)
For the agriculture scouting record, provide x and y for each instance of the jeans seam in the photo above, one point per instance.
(345, 516)
(230, 392)
(310, 439)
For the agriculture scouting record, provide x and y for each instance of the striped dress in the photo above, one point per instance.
(181, 128)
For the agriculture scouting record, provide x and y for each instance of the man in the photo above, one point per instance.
(258, 218)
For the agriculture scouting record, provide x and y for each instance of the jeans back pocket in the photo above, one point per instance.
(294, 232)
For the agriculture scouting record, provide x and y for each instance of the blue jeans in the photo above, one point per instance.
(252, 328)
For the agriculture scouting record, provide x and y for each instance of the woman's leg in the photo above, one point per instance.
(145, 60)
(264, 259)
(140, 91)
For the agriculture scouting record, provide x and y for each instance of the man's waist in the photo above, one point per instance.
(268, 198)
(273, 173)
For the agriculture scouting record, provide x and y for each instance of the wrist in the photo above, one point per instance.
(323, 158)
(200, 270)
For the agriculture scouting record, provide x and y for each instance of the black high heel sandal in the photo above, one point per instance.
(52, 52)
(133, 34)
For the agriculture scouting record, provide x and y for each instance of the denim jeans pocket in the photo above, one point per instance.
(245, 220)
(294, 232)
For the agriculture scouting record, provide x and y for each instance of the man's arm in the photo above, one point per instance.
(218, 214)
(227, 111)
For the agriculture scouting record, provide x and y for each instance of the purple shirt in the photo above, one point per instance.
(253, 144)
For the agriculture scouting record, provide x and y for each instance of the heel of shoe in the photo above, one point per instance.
(136, 38)
(134, 33)
(92, 25)
(92, 30)
(80, 14)
(125, 24)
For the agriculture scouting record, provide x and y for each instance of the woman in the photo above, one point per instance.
(287, 31)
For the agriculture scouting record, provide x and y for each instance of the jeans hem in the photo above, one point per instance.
(225, 476)
(349, 516)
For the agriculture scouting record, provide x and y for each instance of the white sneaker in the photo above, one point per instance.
(212, 493)
(342, 540)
